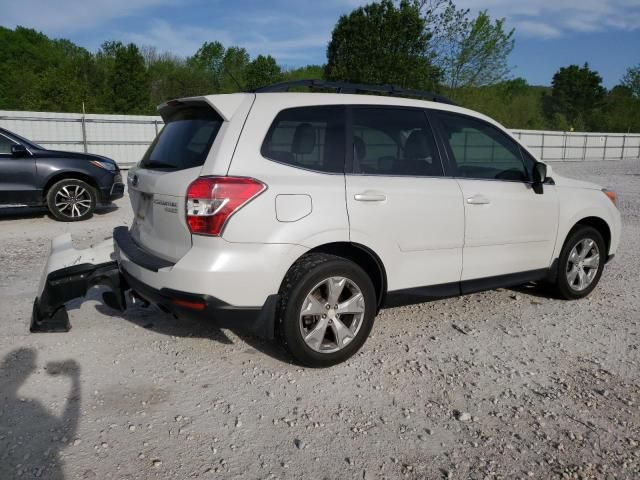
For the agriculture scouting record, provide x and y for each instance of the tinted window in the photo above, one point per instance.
(5, 145)
(185, 140)
(480, 150)
(309, 137)
(389, 141)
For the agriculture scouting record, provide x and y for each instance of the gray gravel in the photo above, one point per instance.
(502, 384)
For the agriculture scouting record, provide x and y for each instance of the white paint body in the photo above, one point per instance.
(426, 231)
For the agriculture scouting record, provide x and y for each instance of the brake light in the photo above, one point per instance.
(211, 201)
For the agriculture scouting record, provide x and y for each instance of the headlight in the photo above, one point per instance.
(613, 196)
(106, 165)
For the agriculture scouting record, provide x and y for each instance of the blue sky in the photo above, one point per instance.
(549, 33)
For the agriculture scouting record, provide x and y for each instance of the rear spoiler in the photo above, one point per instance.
(225, 105)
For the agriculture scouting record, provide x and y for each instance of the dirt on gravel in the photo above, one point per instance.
(503, 384)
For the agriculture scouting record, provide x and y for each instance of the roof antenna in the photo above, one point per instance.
(228, 72)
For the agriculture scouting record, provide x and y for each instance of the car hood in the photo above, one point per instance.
(570, 182)
(76, 155)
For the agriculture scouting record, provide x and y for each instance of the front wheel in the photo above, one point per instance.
(581, 263)
(71, 200)
(327, 309)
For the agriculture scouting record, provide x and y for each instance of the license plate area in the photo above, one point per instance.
(145, 206)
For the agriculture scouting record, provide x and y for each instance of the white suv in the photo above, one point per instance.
(301, 215)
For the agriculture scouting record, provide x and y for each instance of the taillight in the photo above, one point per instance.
(212, 200)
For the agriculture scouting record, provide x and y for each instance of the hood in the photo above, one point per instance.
(561, 181)
(76, 155)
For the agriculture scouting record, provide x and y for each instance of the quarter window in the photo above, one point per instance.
(480, 150)
(389, 141)
(308, 137)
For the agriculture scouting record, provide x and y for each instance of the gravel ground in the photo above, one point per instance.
(502, 384)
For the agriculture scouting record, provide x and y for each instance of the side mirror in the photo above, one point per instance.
(19, 150)
(539, 176)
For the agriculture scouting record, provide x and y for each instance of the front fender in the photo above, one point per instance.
(577, 204)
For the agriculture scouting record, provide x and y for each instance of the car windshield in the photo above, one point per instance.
(185, 139)
(22, 140)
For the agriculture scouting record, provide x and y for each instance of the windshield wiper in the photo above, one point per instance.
(158, 164)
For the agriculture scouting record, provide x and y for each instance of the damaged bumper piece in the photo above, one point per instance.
(71, 272)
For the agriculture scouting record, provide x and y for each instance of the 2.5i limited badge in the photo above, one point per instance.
(171, 207)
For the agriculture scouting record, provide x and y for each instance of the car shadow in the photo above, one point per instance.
(32, 438)
(152, 318)
(536, 289)
(21, 213)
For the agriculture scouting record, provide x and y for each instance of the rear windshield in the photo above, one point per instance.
(185, 139)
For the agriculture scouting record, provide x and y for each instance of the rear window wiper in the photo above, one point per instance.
(158, 164)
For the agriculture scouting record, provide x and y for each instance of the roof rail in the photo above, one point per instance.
(342, 87)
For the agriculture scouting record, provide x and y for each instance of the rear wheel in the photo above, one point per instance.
(71, 200)
(581, 263)
(327, 309)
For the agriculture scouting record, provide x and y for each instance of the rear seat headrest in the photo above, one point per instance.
(304, 139)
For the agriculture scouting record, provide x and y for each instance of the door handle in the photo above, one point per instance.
(370, 197)
(478, 200)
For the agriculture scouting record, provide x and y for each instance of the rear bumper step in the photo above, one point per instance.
(70, 273)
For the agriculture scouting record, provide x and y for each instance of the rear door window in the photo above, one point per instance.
(394, 141)
(185, 140)
(308, 137)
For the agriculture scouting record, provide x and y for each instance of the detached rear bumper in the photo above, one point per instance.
(70, 273)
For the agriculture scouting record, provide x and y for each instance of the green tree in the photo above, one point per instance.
(470, 52)
(128, 81)
(262, 71)
(172, 77)
(308, 72)
(621, 110)
(37, 73)
(576, 94)
(233, 70)
(383, 44)
(631, 80)
(209, 59)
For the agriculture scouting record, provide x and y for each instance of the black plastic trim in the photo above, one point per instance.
(411, 296)
(259, 320)
(501, 281)
(345, 87)
(49, 313)
(122, 238)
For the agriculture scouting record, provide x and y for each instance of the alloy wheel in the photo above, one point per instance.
(73, 201)
(583, 264)
(332, 314)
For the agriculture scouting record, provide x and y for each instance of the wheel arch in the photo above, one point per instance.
(70, 175)
(362, 256)
(599, 224)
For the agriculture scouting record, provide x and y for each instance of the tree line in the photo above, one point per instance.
(421, 44)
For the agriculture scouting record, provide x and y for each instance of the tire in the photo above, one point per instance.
(71, 200)
(573, 287)
(312, 276)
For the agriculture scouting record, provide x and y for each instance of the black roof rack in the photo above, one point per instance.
(342, 87)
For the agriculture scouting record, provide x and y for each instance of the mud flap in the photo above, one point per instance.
(68, 275)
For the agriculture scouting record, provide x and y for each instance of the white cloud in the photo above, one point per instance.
(536, 29)
(71, 15)
(554, 18)
(185, 40)
(179, 40)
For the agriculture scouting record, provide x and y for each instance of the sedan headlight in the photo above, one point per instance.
(106, 165)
